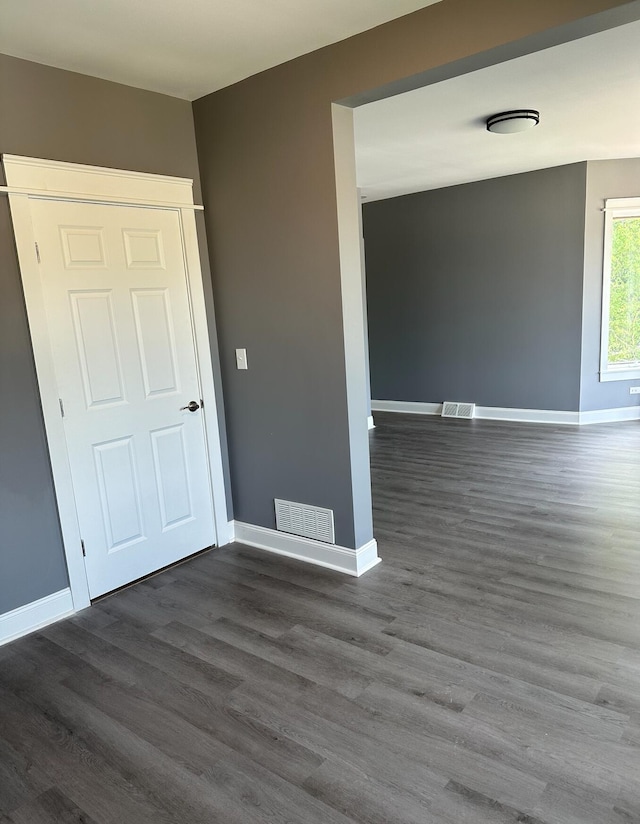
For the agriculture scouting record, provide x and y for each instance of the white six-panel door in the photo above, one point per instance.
(115, 288)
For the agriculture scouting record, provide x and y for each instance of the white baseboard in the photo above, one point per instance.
(411, 407)
(497, 413)
(623, 413)
(351, 561)
(555, 416)
(370, 423)
(35, 615)
(488, 413)
(226, 533)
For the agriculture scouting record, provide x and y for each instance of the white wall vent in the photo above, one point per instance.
(305, 520)
(454, 409)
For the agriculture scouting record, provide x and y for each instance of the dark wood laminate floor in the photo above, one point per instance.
(487, 671)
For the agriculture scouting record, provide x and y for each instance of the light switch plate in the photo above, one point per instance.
(241, 359)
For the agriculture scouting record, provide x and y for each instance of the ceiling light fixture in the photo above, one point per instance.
(518, 120)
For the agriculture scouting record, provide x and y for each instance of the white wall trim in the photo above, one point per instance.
(353, 318)
(119, 201)
(35, 615)
(370, 422)
(205, 373)
(104, 186)
(228, 532)
(351, 561)
(555, 416)
(620, 374)
(623, 413)
(56, 441)
(489, 413)
(410, 407)
(613, 207)
(58, 180)
(497, 413)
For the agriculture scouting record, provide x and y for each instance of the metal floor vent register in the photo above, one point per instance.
(454, 409)
(305, 520)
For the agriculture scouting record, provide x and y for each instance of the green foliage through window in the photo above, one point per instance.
(624, 304)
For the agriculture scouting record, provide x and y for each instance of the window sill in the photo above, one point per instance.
(626, 374)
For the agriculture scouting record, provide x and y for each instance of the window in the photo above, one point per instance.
(620, 347)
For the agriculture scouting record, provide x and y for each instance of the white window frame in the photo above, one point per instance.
(614, 207)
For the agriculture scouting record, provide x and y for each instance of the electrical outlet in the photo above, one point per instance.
(241, 359)
(634, 390)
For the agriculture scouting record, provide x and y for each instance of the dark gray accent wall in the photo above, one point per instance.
(266, 155)
(475, 292)
(60, 115)
(605, 179)
(31, 556)
(286, 413)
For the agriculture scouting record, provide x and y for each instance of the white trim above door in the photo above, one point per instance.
(29, 178)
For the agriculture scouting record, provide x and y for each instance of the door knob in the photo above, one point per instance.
(192, 406)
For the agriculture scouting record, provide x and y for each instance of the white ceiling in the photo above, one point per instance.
(184, 48)
(587, 91)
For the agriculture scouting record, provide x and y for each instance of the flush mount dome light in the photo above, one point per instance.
(518, 120)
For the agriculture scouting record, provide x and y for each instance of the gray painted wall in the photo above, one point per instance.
(31, 556)
(475, 292)
(59, 115)
(267, 146)
(605, 179)
(266, 154)
(287, 413)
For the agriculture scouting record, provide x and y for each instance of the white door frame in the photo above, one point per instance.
(34, 178)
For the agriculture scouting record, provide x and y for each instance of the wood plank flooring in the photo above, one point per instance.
(488, 671)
